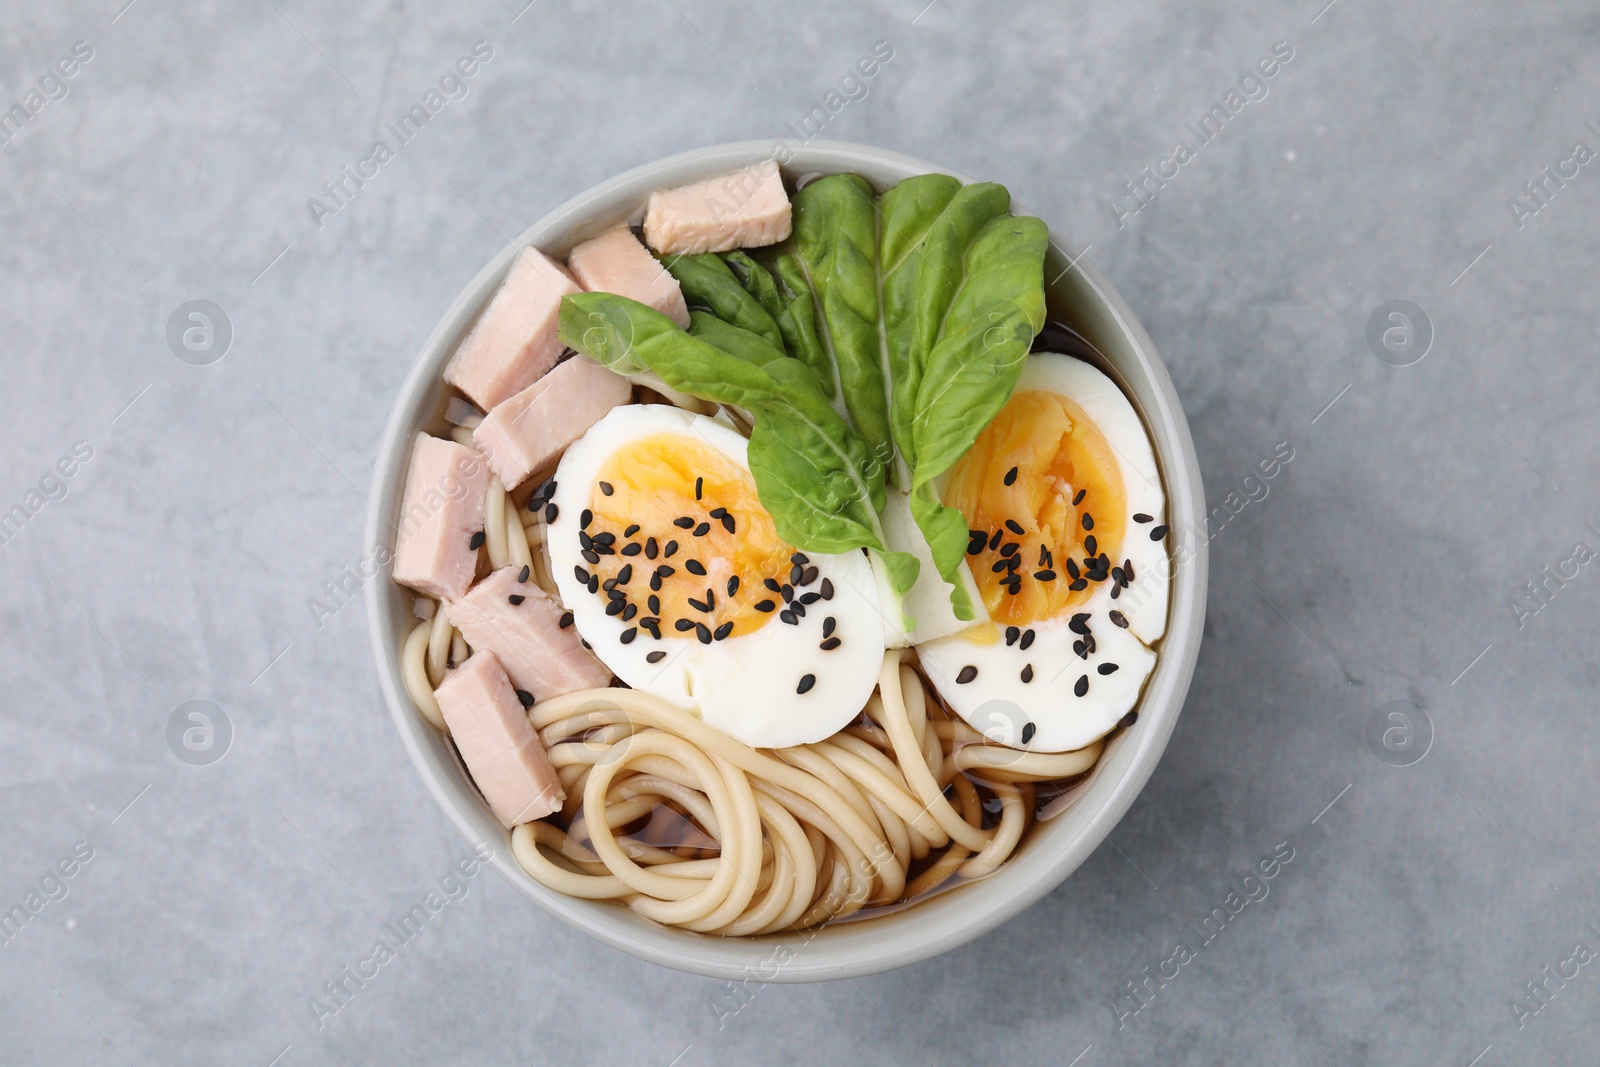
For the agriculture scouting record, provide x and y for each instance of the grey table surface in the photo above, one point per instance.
(211, 508)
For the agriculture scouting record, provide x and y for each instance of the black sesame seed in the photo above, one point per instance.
(765, 605)
(733, 585)
(566, 619)
(1088, 521)
(703, 529)
(799, 609)
(1116, 591)
(1027, 639)
(1077, 498)
(666, 570)
(795, 572)
(968, 673)
(699, 605)
(582, 575)
(1027, 732)
(808, 576)
(525, 698)
(614, 607)
(772, 584)
(1079, 623)
(629, 612)
(614, 593)
(651, 548)
(703, 632)
(1127, 571)
(550, 512)
(1072, 569)
(670, 551)
(728, 523)
(1141, 518)
(1045, 576)
(605, 487)
(594, 583)
(631, 530)
(999, 565)
(1080, 649)
(585, 518)
(722, 631)
(522, 575)
(476, 541)
(800, 558)
(632, 548)
(516, 598)
(591, 555)
(1082, 687)
(1044, 555)
(608, 538)
(584, 540)
(830, 644)
(684, 624)
(994, 539)
(1012, 633)
(806, 682)
(717, 513)
(655, 657)
(694, 566)
(627, 636)
(585, 644)
(1158, 533)
(973, 548)
(1027, 676)
(787, 592)
(826, 589)
(1014, 526)
(655, 583)
(654, 604)
(1127, 720)
(1013, 563)
(1011, 476)
(1107, 668)
(1089, 545)
(699, 487)
(625, 575)
(683, 522)
(809, 598)
(788, 616)
(653, 625)
(1008, 549)
(827, 626)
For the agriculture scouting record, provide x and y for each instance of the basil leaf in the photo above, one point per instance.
(708, 282)
(835, 246)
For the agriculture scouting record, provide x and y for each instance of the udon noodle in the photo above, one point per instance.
(693, 829)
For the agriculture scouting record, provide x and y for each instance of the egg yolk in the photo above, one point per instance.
(1045, 506)
(680, 533)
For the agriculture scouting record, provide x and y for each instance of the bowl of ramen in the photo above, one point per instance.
(790, 561)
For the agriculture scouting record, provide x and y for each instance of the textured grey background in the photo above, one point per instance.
(180, 564)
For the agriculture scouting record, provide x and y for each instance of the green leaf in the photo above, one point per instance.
(750, 347)
(710, 283)
(945, 530)
(789, 301)
(835, 247)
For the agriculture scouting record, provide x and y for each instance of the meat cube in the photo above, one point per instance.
(615, 262)
(514, 341)
(745, 209)
(440, 514)
(542, 657)
(491, 731)
(530, 429)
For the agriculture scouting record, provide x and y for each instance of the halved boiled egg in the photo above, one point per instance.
(1067, 524)
(676, 576)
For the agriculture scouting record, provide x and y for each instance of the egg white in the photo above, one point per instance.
(746, 685)
(997, 702)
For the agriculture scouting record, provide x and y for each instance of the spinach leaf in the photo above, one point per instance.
(834, 245)
(785, 295)
(708, 282)
(821, 482)
(985, 329)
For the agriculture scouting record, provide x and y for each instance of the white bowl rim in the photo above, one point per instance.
(946, 920)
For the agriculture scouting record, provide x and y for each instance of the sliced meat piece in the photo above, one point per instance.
(440, 514)
(745, 209)
(541, 656)
(615, 262)
(530, 429)
(514, 341)
(491, 730)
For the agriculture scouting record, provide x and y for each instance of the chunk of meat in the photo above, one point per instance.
(491, 730)
(514, 341)
(615, 262)
(530, 429)
(440, 514)
(745, 209)
(541, 656)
